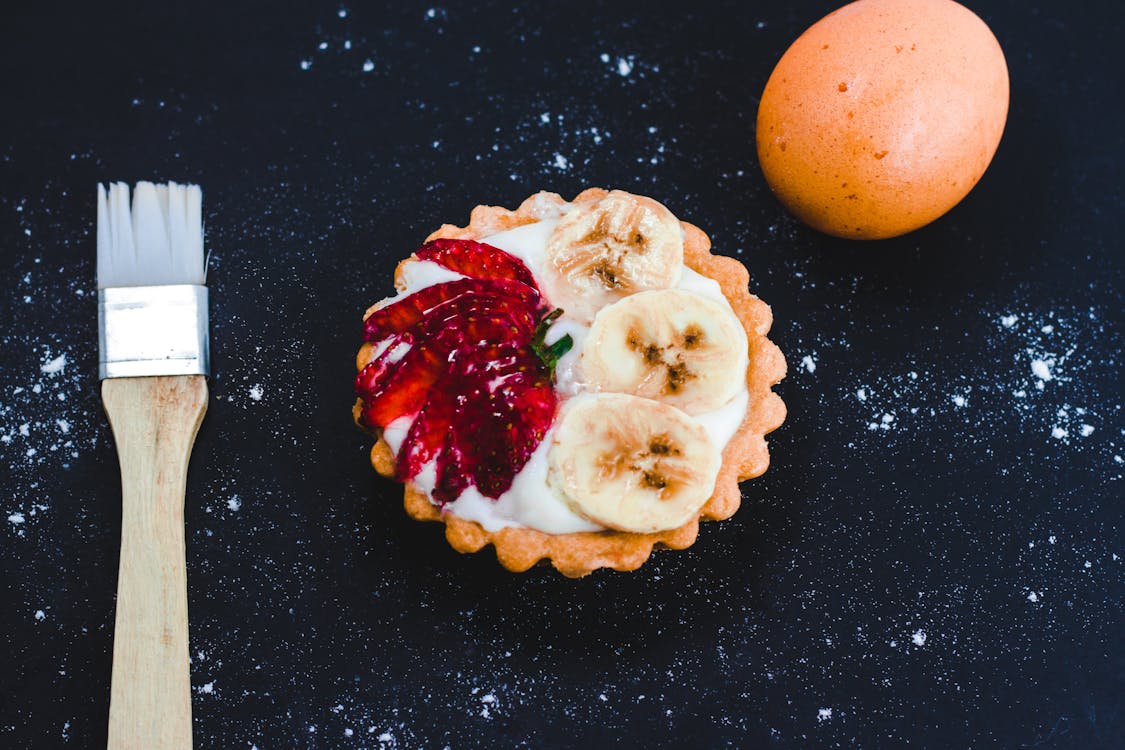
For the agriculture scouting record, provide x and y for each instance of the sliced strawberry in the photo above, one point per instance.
(429, 432)
(452, 477)
(480, 319)
(399, 316)
(403, 390)
(475, 380)
(477, 260)
(507, 407)
(520, 317)
(368, 378)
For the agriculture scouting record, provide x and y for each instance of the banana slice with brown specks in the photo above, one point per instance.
(603, 251)
(670, 345)
(631, 464)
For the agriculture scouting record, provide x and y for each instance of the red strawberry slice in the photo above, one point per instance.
(452, 478)
(508, 405)
(430, 431)
(476, 259)
(399, 316)
(482, 318)
(395, 389)
(369, 377)
(474, 379)
(402, 390)
(520, 319)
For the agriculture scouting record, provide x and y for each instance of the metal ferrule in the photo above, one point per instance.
(153, 330)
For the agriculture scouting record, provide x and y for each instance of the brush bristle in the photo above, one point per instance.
(158, 241)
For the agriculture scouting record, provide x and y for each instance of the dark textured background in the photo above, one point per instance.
(947, 577)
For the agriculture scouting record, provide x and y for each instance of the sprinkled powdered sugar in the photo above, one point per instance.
(1035, 378)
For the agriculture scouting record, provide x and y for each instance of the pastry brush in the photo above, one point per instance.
(153, 359)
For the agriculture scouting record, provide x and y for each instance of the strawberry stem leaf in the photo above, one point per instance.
(550, 354)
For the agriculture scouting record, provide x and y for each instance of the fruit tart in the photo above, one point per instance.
(574, 382)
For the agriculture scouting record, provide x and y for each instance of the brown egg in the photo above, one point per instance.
(883, 116)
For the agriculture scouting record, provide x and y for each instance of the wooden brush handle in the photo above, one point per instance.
(154, 423)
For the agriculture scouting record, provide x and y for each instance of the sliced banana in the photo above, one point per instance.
(602, 251)
(631, 464)
(670, 345)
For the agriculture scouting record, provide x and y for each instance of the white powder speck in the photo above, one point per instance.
(603, 57)
(55, 366)
(343, 12)
(823, 714)
(1048, 329)
(385, 737)
(808, 363)
(861, 394)
(1033, 597)
(368, 66)
(1058, 433)
(488, 698)
(919, 637)
(25, 429)
(561, 163)
(602, 697)
(1051, 539)
(256, 392)
(1087, 430)
(40, 614)
(16, 518)
(959, 401)
(1009, 320)
(1040, 369)
(624, 66)
(208, 688)
(305, 64)
(64, 426)
(348, 732)
(234, 503)
(1087, 564)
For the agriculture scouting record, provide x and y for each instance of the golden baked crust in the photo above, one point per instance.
(745, 456)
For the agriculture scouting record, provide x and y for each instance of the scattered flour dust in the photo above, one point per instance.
(823, 714)
(55, 366)
(1038, 372)
(256, 392)
(49, 413)
(919, 638)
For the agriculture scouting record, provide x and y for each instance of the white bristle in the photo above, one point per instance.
(158, 241)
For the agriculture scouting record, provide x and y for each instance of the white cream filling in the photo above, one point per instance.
(530, 502)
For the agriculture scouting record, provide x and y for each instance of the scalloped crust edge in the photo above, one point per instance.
(746, 455)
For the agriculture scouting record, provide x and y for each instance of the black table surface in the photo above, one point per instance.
(933, 559)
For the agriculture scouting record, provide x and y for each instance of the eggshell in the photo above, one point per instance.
(883, 116)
